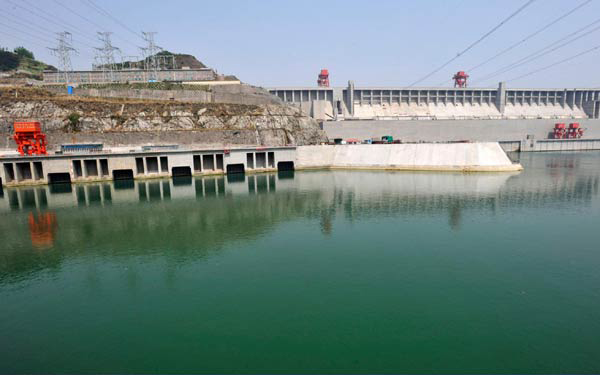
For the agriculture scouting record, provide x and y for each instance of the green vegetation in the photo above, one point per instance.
(8, 60)
(73, 119)
(23, 52)
(23, 60)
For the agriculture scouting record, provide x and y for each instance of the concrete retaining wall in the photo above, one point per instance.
(226, 93)
(453, 130)
(434, 157)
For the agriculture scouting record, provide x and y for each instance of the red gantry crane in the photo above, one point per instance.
(323, 80)
(460, 79)
(29, 138)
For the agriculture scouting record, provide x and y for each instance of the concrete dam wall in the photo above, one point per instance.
(453, 130)
(336, 103)
(429, 157)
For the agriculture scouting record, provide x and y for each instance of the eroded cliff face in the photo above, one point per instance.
(130, 122)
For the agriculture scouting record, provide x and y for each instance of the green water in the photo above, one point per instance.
(306, 272)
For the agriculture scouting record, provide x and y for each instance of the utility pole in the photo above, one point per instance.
(63, 52)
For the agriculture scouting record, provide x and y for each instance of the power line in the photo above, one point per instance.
(538, 31)
(474, 43)
(543, 51)
(556, 63)
(106, 13)
(62, 26)
(25, 32)
(79, 30)
(23, 39)
(100, 27)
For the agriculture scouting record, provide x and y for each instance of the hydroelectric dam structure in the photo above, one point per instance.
(519, 118)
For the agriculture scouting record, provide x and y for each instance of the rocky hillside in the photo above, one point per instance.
(121, 122)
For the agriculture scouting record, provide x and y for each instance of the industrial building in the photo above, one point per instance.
(130, 75)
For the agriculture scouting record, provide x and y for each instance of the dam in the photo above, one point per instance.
(432, 114)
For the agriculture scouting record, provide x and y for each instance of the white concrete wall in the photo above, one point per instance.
(487, 156)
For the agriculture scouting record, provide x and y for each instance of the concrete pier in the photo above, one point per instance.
(463, 157)
(39, 170)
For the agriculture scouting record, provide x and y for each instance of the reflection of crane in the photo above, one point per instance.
(460, 79)
(42, 228)
(323, 80)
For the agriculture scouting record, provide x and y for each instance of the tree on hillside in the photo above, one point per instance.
(24, 52)
(8, 60)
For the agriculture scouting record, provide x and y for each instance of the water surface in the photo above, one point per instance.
(322, 271)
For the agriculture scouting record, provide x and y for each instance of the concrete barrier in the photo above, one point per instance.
(465, 157)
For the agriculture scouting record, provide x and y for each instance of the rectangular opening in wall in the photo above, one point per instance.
(139, 165)
(219, 158)
(235, 168)
(197, 163)
(122, 174)
(104, 167)
(91, 167)
(9, 172)
(285, 166)
(24, 171)
(271, 160)
(164, 164)
(208, 162)
(261, 160)
(152, 164)
(181, 172)
(59, 178)
(38, 171)
(250, 160)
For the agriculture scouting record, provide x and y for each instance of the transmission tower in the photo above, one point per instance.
(105, 56)
(63, 52)
(149, 52)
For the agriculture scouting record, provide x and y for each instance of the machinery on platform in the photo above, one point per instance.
(323, 80)
(29, 138)
(560, 131)
(460, 79)
(574, 131)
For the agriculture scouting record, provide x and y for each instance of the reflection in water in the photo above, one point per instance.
(211, 211)
(329, 270)
(42, 228)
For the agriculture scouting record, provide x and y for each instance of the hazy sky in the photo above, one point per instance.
(286, 43)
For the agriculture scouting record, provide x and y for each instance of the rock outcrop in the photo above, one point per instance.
(129, 122)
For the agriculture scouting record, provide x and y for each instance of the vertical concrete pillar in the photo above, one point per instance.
(501, 97)
(350, 98)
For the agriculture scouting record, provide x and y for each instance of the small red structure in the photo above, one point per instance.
(29, 138)
(323, 80)
(460, 79)
(560, 131)
(574, 131)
